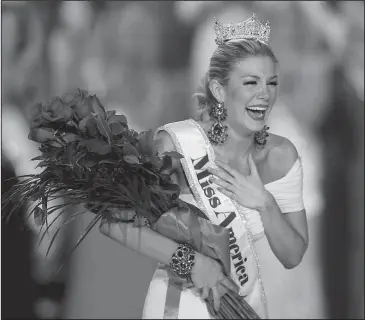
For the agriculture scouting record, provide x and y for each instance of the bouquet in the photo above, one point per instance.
(91, 158)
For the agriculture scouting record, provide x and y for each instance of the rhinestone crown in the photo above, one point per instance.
(251, 29)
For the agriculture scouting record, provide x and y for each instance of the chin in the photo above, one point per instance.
(253, 125)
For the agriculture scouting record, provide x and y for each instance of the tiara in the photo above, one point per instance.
(251, 29)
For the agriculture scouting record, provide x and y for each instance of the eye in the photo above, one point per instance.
(248, 83)
(273, 83)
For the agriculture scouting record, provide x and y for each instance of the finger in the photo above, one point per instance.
(223, 184)
(229, 284)
(195, 290)
(216, 298)
(205, 293)
(222, 175)
(252, 165)
(104, 226)
(227, 193)
(222, 289)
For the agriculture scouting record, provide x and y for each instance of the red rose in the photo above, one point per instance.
(57, 110)
(89, 104)
(47, 135)
(53, 111)
(73, 97)
(36, 117)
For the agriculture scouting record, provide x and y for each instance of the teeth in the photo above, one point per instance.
(256, 109)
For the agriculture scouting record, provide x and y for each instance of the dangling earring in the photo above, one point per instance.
(261, 136)
(218, 131)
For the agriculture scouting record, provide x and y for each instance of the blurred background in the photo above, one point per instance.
(145, 60)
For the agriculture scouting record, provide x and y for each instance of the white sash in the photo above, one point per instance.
(191, 141)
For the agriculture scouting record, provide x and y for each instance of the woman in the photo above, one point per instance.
(242, 177)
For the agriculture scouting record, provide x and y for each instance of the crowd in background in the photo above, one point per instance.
(145, 59)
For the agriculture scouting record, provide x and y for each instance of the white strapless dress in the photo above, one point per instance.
(292, 293)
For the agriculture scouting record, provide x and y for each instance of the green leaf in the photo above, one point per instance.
(41, 157)
(89, 124)
(116, 128)
(110, 113)
(118, 118)
(125, 191)
(64, 207)
(90, 162)
(173, 154)
(131, 159)
(169, 189)
(108, 161)
(146, 144)
(52, 241)
(71, 124)
(129, 150)
(57, 144)
(42, 164)
(70, 137)
(103, 127)
(134, 183)
(166, 165)
(96, 105)
(39, 216)
(97, 146)
(44, 204)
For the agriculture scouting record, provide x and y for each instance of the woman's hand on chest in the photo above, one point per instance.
(247, 189)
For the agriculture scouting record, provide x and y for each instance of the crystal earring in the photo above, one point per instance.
(218, 131)
(261, 136)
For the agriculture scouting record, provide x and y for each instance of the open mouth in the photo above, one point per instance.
(256, 112)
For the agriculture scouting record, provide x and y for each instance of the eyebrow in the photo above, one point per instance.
(257, 77)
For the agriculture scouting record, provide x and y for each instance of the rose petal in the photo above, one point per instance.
(41, 134)
(96, 106)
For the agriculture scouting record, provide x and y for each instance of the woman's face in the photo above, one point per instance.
(251, 93)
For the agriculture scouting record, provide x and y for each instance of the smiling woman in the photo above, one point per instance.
(243, 75)
(258, 111)
(257, 190)
(251, 90)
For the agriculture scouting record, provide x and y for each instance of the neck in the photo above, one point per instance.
(240, 136)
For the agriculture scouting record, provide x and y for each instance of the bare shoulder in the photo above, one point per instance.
(164, 142)
(282, 154)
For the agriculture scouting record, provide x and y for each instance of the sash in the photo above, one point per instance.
(191, 141)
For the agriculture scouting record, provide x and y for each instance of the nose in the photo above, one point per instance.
(263, 93)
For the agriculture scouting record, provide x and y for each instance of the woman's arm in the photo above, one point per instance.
(143, 240)
(287, 233)
(206, 273)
